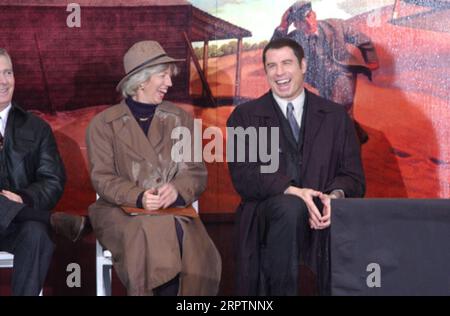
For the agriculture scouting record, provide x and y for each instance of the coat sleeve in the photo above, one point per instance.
(278, 33)
(191, 177)
(362, 41)
(107, 183)
(247, 178)
(50, 176)
(350, 175)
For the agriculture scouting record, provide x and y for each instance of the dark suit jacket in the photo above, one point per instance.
(36, 171)
(331, 160)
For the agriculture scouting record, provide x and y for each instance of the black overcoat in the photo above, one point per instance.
(331, 160)
(34, 166)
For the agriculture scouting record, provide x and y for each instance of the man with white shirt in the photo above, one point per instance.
(32, 181)
(284, 216)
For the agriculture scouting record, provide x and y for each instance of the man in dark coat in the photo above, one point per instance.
(32, 181)
(335, 50)
(284, 215)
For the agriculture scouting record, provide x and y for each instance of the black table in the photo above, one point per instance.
(390, 247)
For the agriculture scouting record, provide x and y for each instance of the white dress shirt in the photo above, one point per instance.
(298, 104)
(4, 119)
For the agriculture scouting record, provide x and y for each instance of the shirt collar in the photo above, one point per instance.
(5, 112)
(4, 118)
(298, 103)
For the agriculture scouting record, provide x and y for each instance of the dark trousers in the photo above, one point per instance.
(282, 223)
(171, 288)
(30, 243)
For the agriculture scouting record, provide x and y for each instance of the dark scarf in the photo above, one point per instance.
(142, 112)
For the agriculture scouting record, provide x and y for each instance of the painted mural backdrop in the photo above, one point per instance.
(404, 109)
(68, 59)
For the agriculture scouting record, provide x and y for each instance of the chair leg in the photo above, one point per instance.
(100, 286)
(107, 280)
(103, 272)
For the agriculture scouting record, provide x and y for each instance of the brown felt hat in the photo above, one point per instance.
(142, 55)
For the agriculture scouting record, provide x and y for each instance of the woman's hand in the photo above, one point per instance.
(151, 200)
(168, 195)
(162, 198)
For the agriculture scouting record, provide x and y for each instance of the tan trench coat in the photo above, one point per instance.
(123, 163)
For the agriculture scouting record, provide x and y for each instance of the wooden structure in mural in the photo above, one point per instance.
(63, 68)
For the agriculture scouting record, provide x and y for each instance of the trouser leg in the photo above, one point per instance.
(30, 214)
(32, 248)
(282, 223)
(171, 288)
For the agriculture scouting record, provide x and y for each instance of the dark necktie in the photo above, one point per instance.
(292, 121)
(2, 141)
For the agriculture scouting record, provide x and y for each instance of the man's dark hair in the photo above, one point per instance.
(284, 42)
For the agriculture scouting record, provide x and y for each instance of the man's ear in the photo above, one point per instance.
(303, 65)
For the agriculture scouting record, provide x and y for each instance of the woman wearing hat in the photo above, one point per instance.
(129, 148)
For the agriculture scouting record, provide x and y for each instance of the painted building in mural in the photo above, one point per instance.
(69, 66)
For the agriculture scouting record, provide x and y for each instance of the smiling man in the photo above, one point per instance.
(319, 157)
(32, 181)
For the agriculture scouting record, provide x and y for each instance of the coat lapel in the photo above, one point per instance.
(130, 133)
(266, 115)
(156, 130)
(314, 118)
(158, 126)
(18, 140)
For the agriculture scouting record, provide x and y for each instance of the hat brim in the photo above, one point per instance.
(159, 61)
(299, 14)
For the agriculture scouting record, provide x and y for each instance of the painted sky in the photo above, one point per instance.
(262, 16)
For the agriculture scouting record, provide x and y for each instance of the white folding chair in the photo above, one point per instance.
(7, 261)
(104, 266)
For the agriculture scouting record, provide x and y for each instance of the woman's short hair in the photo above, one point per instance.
(130, 86)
